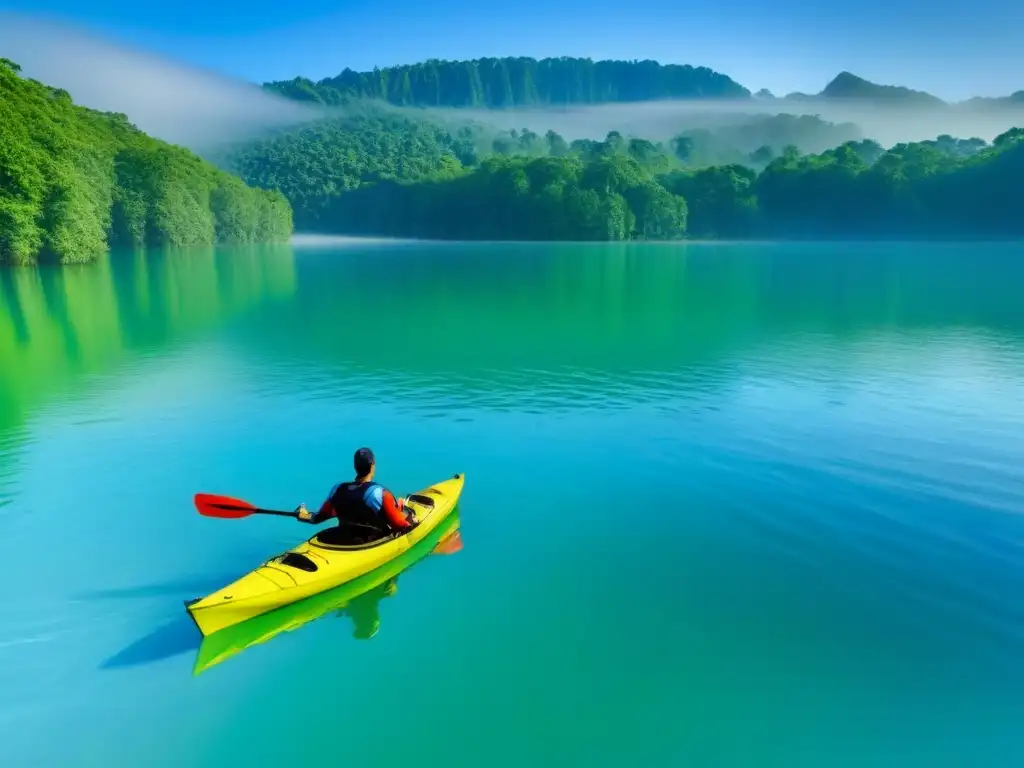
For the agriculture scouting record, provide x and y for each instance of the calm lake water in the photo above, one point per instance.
(725, 505)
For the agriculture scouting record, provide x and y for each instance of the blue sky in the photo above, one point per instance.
(951, 48)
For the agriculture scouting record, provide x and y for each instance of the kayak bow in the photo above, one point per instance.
(317, 565)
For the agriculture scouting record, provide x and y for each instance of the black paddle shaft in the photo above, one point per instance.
(233, 507)
(277, 512)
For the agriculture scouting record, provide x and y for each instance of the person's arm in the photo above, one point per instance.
(326, 512)
(394, 511)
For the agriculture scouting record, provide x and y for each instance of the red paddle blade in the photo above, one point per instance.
(450, 545)
(222, 506)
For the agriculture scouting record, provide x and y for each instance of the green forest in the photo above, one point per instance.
(517, 82)
(396, 175)
(317, 164)
(74, 182)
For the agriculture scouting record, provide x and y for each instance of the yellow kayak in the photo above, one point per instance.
(318, 564)
(368, 588)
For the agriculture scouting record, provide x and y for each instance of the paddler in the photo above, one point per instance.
(362, 502)
(364, 610)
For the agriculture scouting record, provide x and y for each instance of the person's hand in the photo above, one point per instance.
(303, 514)
(409, 514)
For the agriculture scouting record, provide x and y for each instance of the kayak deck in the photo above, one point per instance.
(226, 643)
(322, 562)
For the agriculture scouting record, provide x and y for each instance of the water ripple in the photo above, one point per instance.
(776, 493)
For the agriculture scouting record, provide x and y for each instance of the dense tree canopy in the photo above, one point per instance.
(517, 82)
(74, 181)
(542, 187)
(394, 174)
(757, 140)
(315, 165)
(318, 162)
(611, 197)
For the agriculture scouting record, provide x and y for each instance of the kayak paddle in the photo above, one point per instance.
(228, 508)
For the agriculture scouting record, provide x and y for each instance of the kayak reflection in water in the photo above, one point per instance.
(362, 504)
(365, 609)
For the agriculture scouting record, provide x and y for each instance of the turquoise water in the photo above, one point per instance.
(725, 505)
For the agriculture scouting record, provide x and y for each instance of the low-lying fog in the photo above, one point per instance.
(660, 120)
(166, 99)
(198, 109)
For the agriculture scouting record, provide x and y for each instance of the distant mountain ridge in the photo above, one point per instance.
(517, 82)
(847, 86)
(496, 83)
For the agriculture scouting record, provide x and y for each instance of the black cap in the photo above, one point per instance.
(363, 461)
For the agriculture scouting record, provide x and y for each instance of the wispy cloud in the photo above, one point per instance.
(167, 99)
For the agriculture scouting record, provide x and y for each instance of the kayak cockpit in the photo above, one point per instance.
(355, 536)
(349, 537)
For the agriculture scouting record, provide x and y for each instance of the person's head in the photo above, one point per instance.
(365, 630)
(364, 463)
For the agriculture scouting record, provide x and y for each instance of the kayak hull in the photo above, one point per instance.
(317, 565)
(224, 644)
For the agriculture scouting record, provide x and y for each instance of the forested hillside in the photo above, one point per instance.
(404, 177)
(314, 165)
(74, 181)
